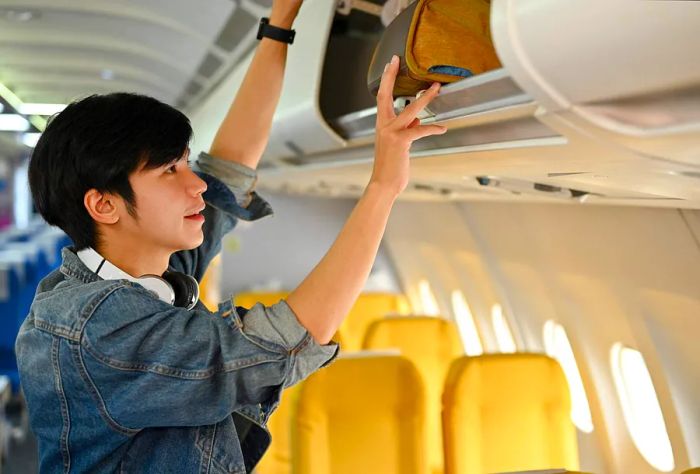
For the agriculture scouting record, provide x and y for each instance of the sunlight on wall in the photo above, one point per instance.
(640, 407)
(466, 325)
(557, 345)
(504, 336)
(429, 306)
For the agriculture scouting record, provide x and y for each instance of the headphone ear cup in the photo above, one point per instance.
(186, 288)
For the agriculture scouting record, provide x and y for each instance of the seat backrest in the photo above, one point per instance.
(507, 412)
(361, 414)
(267, 298)
(278, 458)
(15, 295)
(431, 343)
(210, 284)
(368, 308)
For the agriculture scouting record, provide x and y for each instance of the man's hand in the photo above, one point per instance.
(323, 299)
(395, 134)
(284, 12)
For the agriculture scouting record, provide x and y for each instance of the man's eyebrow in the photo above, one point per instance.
(185, 156)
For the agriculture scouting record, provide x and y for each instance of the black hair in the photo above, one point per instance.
(97, 142)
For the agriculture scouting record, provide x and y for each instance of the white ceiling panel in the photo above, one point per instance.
(59, 50)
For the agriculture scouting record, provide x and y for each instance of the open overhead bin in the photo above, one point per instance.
(623, 70)
(594, 101)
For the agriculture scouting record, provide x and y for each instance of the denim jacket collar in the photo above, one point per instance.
(73, 267)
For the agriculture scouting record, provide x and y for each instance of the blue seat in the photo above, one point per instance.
(26, 257)
(13, 290)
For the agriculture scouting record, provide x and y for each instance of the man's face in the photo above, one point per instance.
(168, 205)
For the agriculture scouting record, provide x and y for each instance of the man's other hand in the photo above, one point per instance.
(395, 134)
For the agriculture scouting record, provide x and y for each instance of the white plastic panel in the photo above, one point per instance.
(574, 52)
(299, 127)
(624, 70)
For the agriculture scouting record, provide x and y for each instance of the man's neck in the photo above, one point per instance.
(136, 260)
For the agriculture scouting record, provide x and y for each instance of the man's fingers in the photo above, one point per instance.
(385, 96)
(414, 108)
(417, 133)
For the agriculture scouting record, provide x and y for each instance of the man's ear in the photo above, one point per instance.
(101, 206)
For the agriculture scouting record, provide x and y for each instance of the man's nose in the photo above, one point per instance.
(197, 185)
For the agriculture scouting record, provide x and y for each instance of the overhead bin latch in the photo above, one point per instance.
(346, 6)
(400, 103)
(386, 12)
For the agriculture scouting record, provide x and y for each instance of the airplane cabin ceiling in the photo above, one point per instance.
(55, 51)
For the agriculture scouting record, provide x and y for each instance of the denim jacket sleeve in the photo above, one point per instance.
(152, 364)
(229, 197)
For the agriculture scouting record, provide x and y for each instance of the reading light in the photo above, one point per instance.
(14, 101)
(20, 16)
(41, 109)
(13, 123)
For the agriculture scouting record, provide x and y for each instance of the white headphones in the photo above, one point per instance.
(175, 288)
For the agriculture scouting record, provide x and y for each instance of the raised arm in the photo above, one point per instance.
(326, 295)
(243, 134)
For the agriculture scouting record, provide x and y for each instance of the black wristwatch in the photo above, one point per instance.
(279, 34)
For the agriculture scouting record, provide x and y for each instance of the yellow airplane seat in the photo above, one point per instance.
(369, 307)
(431, 343)
(278, 458)
(507, 412)
(267, 298)
(362, 414)
(210, 286)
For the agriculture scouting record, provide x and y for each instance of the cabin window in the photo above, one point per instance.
(557, 346)
(466, 325)
(640, 407)
(504, 336)
(429, 306)
(22, 201)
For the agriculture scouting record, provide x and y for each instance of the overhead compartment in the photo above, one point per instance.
(625, 71)
(333, 111)
(596, 101)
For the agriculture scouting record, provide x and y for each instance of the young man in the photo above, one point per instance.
(121, 368)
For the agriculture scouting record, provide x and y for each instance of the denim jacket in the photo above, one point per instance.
(119, 381)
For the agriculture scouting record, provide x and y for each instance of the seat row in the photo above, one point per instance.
(404, 399)
(26, 256)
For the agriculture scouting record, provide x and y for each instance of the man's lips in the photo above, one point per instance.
(196, 214)
(195, 217)
(196, 211)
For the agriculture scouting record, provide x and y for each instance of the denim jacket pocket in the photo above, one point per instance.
(220, 448)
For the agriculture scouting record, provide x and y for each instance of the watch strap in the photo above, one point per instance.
(266, 30)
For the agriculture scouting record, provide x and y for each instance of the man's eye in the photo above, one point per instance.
(171, 169)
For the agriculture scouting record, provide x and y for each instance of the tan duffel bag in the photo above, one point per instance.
(438, 41)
